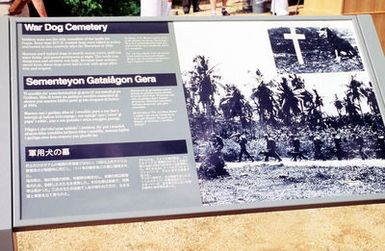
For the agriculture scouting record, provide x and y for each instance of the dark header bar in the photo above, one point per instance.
(99, 81)
(133, 149)
(68, 28)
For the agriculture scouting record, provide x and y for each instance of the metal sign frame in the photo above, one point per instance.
(9, 207)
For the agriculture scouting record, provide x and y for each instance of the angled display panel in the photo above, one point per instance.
(5, 139)
(123, 118)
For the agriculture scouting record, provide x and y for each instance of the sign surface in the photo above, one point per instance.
(122, 118)
(5, 153)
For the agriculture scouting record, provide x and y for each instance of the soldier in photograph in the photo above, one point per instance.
(216, 142)
(271, 149)
(296, 153)
(242, 141)
(360, 143)
(380, 147)
(340, 154)
(318, 154)
(213, 165)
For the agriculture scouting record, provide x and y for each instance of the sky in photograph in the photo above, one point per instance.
(237, 49)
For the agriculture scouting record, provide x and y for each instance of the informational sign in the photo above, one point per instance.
(103, 121)
(124, 118)
(5, 139)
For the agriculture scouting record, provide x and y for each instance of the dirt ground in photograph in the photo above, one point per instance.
(272, 181)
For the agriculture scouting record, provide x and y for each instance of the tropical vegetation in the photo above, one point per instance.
(280, 107)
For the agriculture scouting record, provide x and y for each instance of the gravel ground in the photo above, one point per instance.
(272, 181)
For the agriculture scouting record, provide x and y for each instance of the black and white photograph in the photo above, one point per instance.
(262, 134)
(315, 49)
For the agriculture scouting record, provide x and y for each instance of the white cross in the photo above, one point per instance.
(295, 37)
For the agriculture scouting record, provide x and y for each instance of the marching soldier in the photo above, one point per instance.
(318, 155)
(338, 147)
(271, 149)
(380, 147)
(360, 142)
(242, 141)
(296, 153)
